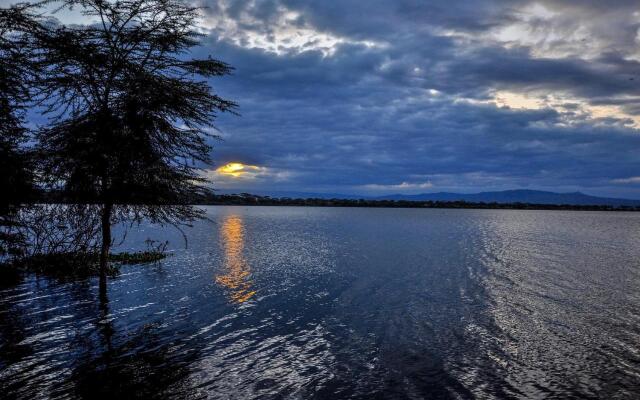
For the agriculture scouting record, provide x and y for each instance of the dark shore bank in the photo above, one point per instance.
(247, 199)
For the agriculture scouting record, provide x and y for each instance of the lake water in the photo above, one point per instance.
(279, 302)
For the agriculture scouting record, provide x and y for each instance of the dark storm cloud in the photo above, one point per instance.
(404, 94)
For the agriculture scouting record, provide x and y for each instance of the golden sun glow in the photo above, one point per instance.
(236, 169)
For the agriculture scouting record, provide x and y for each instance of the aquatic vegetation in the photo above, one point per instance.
(78, 264)
(141, 257)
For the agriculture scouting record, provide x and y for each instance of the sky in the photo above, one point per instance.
(379, 97)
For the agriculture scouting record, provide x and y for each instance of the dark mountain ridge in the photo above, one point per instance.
(517, 196)
(502, 197)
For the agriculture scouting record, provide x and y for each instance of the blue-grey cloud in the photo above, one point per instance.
(351, 96)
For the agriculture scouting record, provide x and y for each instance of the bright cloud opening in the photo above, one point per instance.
(282, 35)
(571, 108)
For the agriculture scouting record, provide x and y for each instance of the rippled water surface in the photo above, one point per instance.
(344, 303)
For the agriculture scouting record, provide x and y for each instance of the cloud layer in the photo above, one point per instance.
(412, 96)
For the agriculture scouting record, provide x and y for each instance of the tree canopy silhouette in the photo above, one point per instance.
(131, 112)
(16, 71)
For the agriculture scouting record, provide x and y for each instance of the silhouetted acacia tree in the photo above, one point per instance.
(16, 177)
(131, 111)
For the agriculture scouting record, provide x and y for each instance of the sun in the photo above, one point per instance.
(236, 169)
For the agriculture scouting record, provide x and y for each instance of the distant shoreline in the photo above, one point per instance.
(246, 199)
(255, 200)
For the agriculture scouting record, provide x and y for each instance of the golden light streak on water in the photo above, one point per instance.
(237, 276)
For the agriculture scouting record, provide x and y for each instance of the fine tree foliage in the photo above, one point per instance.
(16, 178)
(131, 112)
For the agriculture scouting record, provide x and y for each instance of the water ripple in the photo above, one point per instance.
(344, 303)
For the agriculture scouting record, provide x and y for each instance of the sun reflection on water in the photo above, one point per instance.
(237, 272)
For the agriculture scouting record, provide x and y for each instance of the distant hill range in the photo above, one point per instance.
(506, 196)
(519, 196)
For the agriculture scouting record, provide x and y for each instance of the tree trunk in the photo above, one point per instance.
(106, 244)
